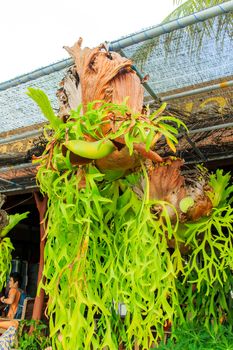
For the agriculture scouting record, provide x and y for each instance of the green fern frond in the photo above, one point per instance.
(44, 104)
(13, 221)
(221, 189)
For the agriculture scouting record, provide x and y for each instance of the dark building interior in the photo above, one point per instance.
(25, 237)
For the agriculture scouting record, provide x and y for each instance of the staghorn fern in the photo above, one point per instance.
(107, 244)
(207, 280)
(104, 243)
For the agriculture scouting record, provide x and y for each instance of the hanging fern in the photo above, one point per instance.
(207, 281)
(109, 241)
(104, 247)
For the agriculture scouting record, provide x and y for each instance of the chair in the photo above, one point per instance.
(26, 312)
(27, 309)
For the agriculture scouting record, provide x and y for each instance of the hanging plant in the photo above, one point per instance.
(207, 280)
(7, 222)
(96, 227)
(124, 226)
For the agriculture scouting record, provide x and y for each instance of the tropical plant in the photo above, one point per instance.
(37, 340)
(88, 228)
(124, 226)
(195, 337)
(204, 287)
(7, 222)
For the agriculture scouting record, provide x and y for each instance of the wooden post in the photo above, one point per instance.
(39, 301)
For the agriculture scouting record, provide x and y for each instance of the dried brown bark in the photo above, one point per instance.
(169, 185)
(4, 220)
(69, 94)
(104, 76)
(107, 76)
(166, 180)
(2, 199)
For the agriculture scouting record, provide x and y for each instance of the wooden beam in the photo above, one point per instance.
(39, 301)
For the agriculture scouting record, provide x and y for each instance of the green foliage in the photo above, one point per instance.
(37, 340)
(134, 128)
(43, 102)
(106, 245)
(221, 189)
(210, 238)
(119, 121)
(204, 289)
(196, 337)
(6, 247)
(13, 221)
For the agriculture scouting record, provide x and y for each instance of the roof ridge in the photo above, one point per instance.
(24, 78)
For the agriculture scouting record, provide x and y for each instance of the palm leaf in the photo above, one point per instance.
(218, 27)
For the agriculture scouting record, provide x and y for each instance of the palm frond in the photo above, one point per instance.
(186, 7)
(216, 28)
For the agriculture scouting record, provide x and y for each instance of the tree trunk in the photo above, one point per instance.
(39, 301)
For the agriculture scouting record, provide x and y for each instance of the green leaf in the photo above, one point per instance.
(43, 103)
(149, 139)
(221, 189)
(186, 203)
(13, 221)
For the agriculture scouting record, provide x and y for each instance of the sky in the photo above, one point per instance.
(33, 33)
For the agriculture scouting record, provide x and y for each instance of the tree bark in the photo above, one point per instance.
(39, 301)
